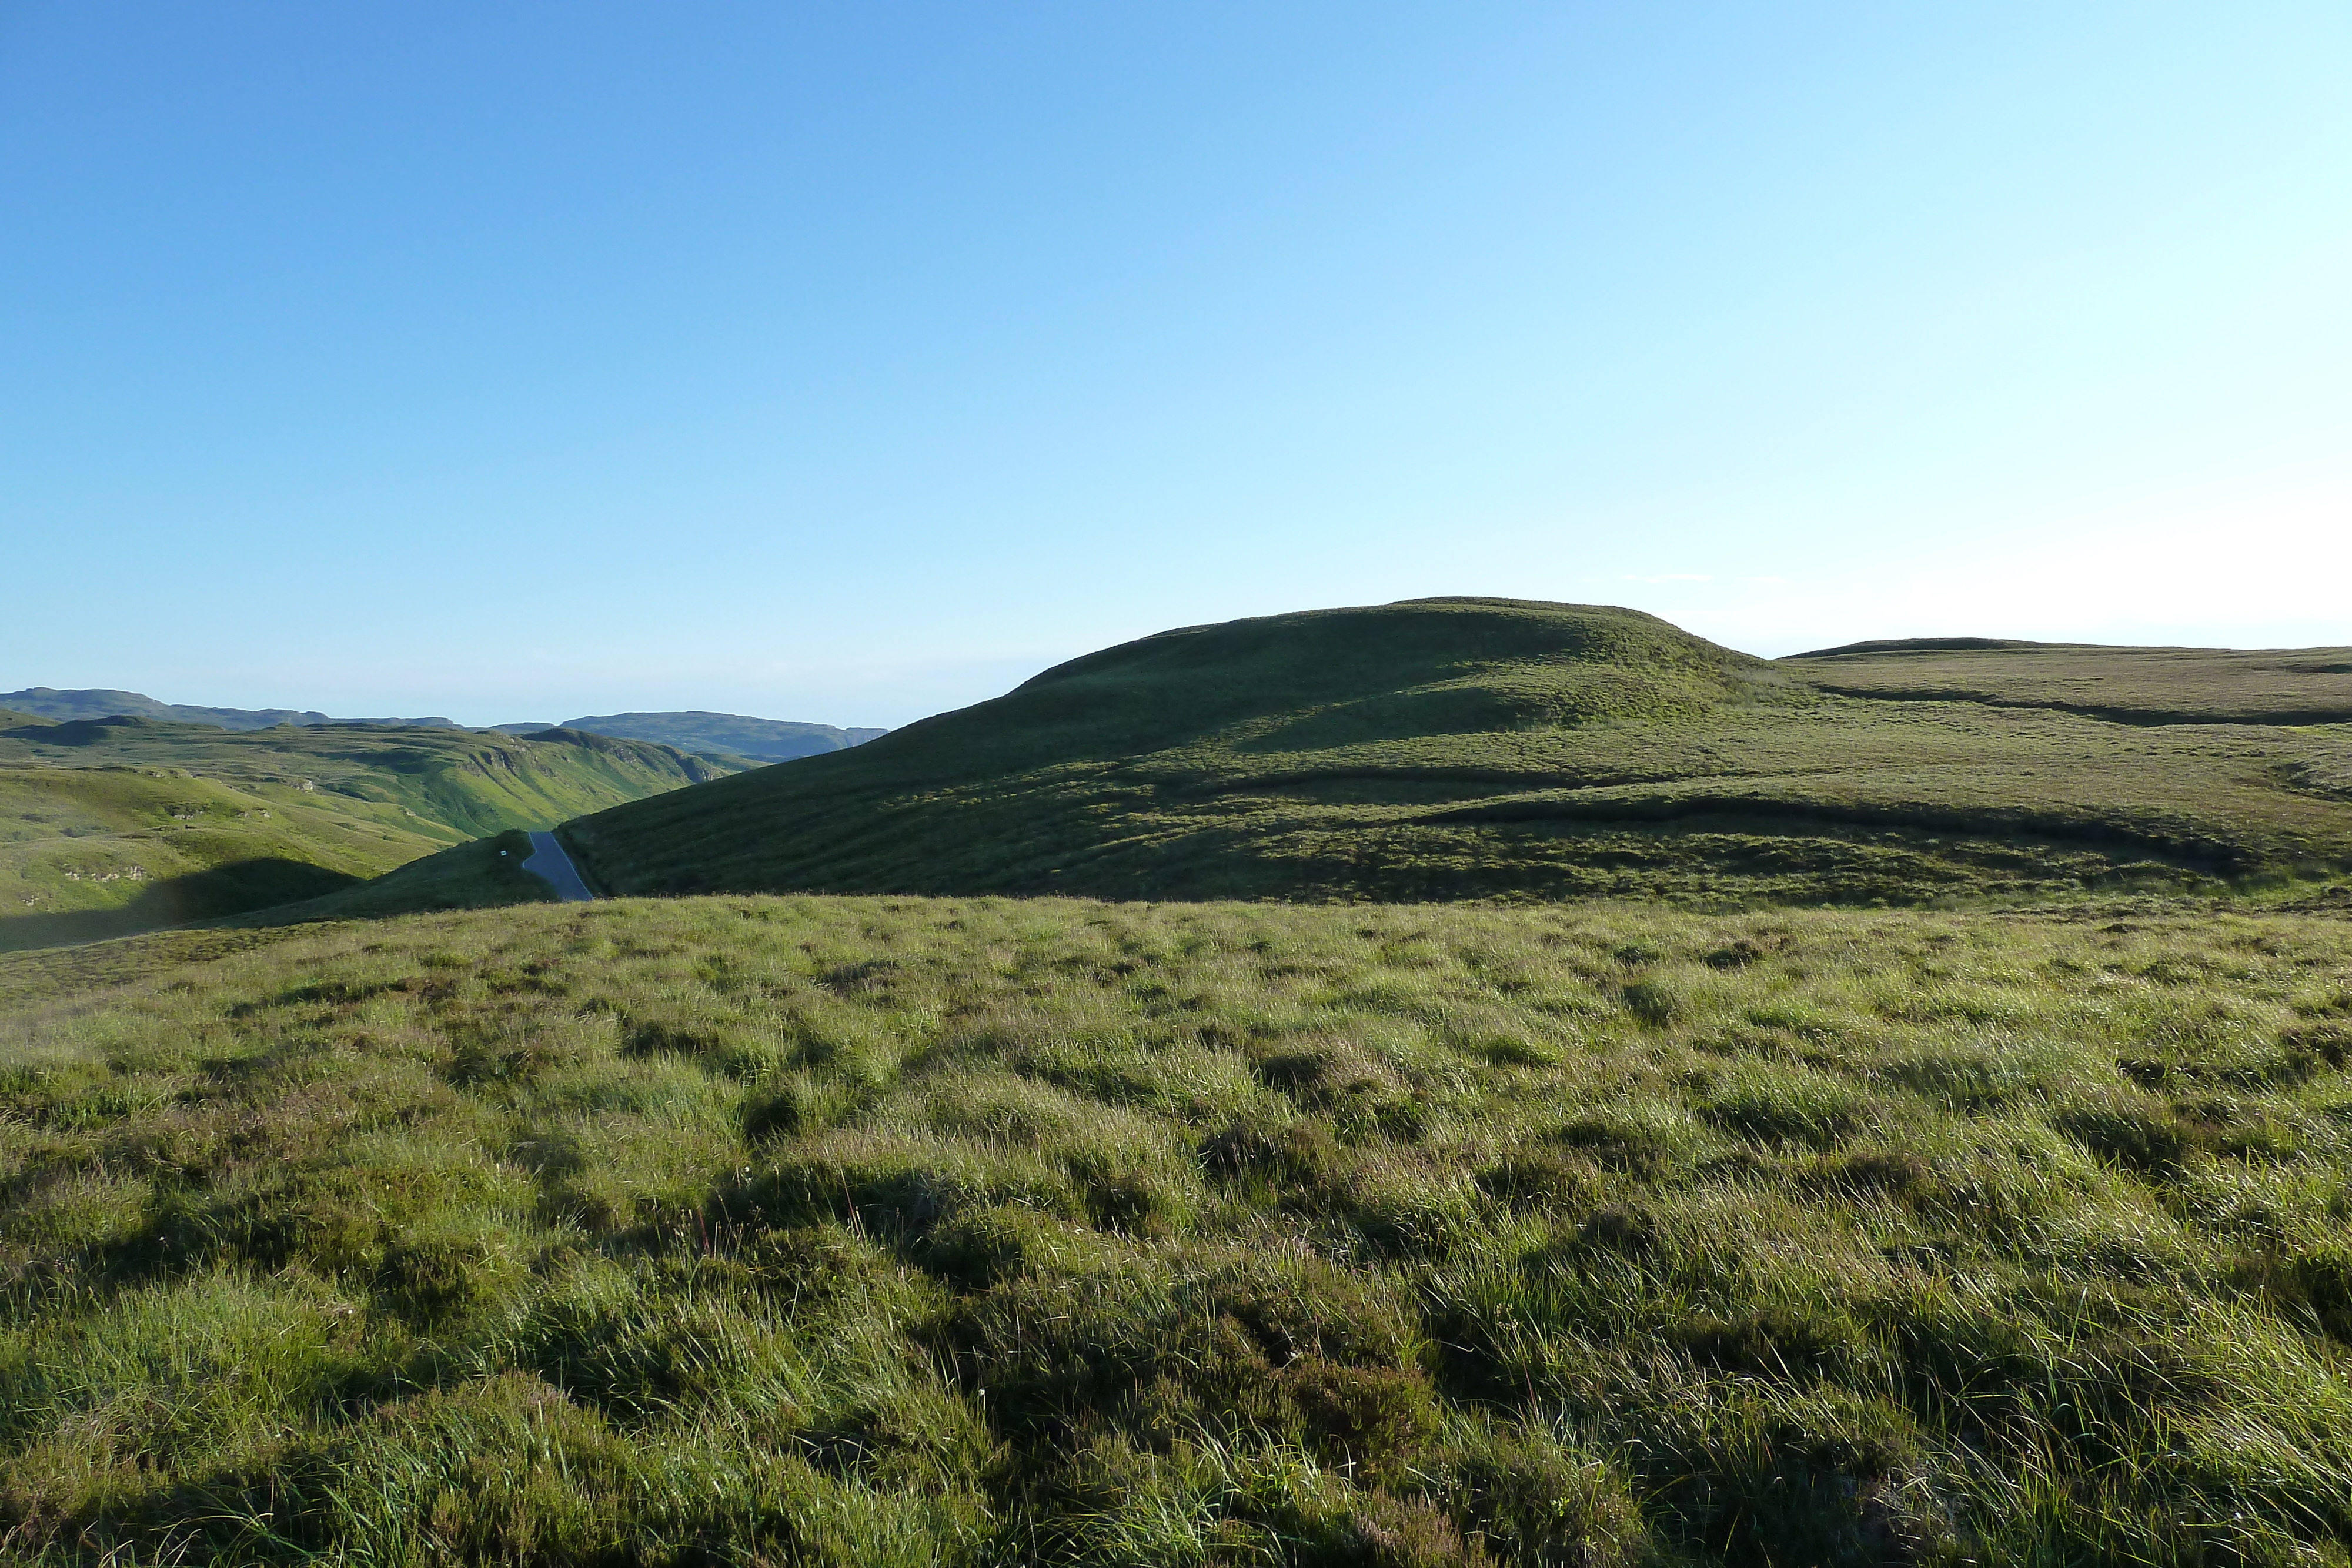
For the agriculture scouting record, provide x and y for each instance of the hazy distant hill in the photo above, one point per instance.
(727, 734)
(761, 739)
(46, 702)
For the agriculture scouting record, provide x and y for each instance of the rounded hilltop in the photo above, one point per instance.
(1488, 747)
(1419, 666)
(1321, 652)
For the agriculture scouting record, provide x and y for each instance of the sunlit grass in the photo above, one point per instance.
(883, 1231)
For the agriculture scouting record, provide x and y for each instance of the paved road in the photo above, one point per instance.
(547, 860)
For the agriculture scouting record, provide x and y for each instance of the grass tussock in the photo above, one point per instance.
(760, 1230)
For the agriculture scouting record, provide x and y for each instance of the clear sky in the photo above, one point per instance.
(846, 363)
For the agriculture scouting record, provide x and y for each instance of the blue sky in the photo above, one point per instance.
(849, 363)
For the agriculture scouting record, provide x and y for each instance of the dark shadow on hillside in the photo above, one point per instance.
(2112, 713)
(79, 731)
(483, 873)
(239, 887)
(1992, 824)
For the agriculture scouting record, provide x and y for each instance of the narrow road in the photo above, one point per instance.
(547, 860)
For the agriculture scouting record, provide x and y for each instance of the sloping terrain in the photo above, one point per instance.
(2130, 685)
(890, 1231)
(116, 825)
(1443, 748)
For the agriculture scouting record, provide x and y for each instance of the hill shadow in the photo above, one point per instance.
(237, 887)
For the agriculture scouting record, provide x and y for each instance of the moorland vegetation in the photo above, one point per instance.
(847, 1230)
(2129, 686)
(1451, 748)
(1534, 1173)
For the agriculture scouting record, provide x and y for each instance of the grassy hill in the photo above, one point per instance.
(1441, 748)
(2129, 686)
(116, 825)
(896, 1231)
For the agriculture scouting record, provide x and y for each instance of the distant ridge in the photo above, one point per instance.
(47, 702)
(1931, 645)
(729, 733)
(721, 734)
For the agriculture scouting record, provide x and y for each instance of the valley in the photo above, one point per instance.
(109, 826)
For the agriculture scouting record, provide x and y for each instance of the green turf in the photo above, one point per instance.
(786, 1230)
(2132, 685)
(113, 826)
(1444, 749)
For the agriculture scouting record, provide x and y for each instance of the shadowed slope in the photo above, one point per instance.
(1472, 748)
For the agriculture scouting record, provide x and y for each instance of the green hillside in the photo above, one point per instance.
(116, 825)
(1441, 749)
(2130, 685)
(949, 1234)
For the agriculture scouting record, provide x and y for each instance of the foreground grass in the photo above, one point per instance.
(866, 1230)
